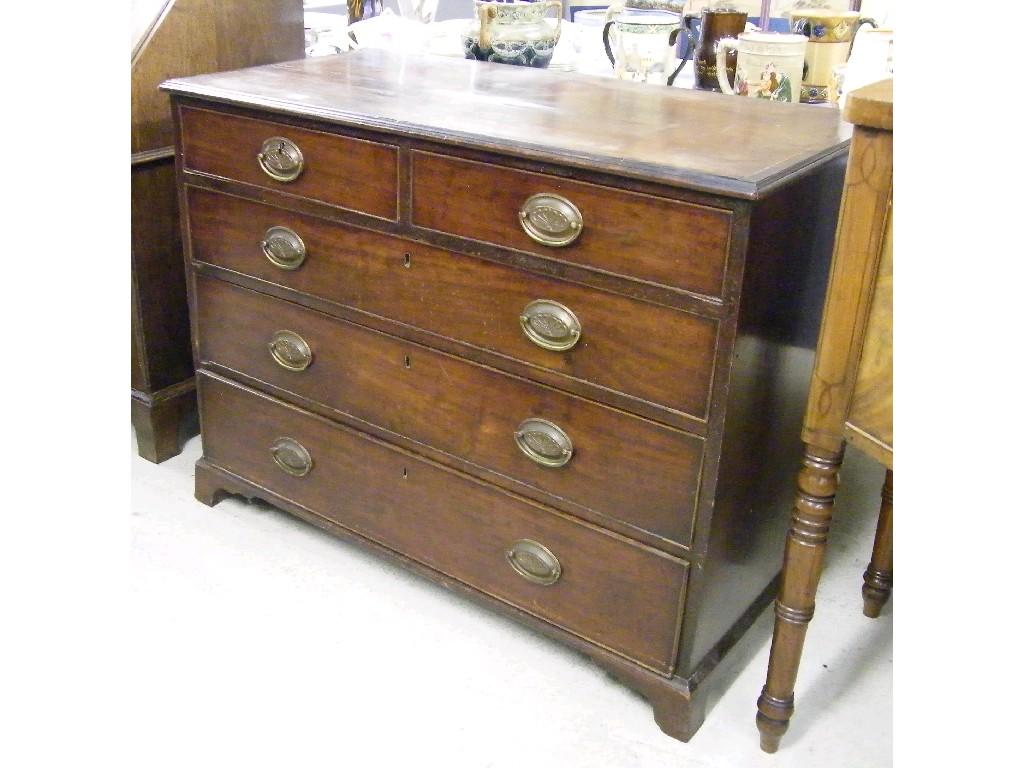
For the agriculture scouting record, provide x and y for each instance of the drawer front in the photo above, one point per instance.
(662, 241)
(618, 466)
(652, 353)
(614, 593)
(350, 173)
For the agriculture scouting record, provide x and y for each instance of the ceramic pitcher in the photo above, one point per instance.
(769, 65)
(712, 25)
(641, 45)
(829, 34)
(513, 33)
(870, 60)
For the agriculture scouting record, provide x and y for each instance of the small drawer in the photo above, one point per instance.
(584, 456)
(646, 351)
(671, 243)
(339, 170)
(619, 595)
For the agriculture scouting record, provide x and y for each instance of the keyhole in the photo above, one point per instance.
(408, 362)
(407, 261)
(405, 473)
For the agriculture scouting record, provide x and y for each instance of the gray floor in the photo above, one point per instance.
(264, 641)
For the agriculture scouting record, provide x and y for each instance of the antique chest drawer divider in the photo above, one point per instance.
(562, 375)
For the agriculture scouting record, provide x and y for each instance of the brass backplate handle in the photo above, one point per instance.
(534, 562)
(544, 442)
(283, 248)
(551, 219)
(550, 325)
(291, 456)
(281, 159)
(290, 350)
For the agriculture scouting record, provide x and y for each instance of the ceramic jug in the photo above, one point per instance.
(513, 33)
(713, 24)
(829, 34)
(769, 65)
(641, 45)
(870, 60)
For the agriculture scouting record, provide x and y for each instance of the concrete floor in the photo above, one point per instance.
(260, 640)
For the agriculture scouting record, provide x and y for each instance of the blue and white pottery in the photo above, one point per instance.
(513, 33)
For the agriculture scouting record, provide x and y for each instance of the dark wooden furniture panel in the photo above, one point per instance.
(465, 410)
(652, 353)
(616, 594)
(740, 149)
(184, 37)
(351, 173)
(697, 282)
(676, 244)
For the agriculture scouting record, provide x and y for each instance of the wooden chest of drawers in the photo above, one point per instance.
(543, 339)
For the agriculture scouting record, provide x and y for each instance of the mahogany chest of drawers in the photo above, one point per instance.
(541, 338)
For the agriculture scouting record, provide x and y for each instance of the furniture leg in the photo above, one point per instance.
(164, 420)
(801, 570)
(878, 576)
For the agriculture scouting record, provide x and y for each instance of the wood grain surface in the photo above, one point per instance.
(617, 594)
(641, 236)
(681, 137)
(869, 425)
(643, 350)
(460, 408)
(858, 249)
(351, 173)
(190, 37)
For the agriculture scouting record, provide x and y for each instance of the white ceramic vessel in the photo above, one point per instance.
(641, 45)
(870, 60)
(769, 65)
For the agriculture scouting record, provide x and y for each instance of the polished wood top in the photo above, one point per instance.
(871, 106)
(733, 146)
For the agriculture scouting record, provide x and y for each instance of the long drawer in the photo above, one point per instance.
(650, 352)
(617, 594)
(508, 425)
(347, 172)
(650, 238)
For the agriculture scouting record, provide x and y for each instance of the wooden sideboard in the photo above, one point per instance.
(544, 339)
(184, 37)
(850, 400)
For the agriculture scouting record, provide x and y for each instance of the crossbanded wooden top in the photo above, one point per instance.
(728, 145)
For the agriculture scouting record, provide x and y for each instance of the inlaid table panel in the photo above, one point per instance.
(540, 337)
(869, 425)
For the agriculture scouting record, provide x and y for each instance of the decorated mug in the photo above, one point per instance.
(641, 45)
(769, 65)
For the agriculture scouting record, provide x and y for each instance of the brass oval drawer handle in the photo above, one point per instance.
(544, 443)
(283, 248)
(550, 325)
(551, 219)
(291, 456)
(534, 562)
(281, 159)
(290, 350)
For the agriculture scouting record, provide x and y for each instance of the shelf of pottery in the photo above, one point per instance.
(780, 50)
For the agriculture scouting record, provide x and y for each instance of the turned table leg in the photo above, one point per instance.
(801, 570)
(878, 577)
